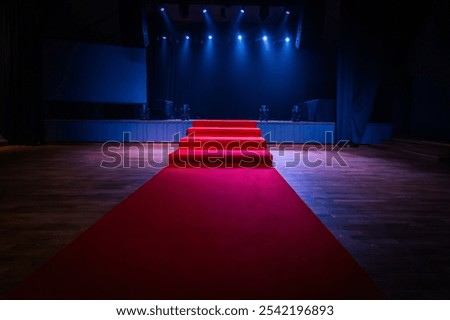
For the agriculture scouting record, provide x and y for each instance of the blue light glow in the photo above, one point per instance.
(187, 37)
(204, 10)
(242, 68)
(288, 12)
(162, 9)
(242, 11)
(164, 37)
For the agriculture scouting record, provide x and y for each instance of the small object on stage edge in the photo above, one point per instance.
(185, 112)
(264, 113)
(295, 113)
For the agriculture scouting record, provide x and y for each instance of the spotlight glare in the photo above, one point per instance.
(164, 37)
(242, 11)
(204, 10)
(265, 38)
(287, 39)
(288, 12)
(187, 37)
(210, 37)
(239, 37)
(162, 9)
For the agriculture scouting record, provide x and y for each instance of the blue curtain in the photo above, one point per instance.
(358, 77)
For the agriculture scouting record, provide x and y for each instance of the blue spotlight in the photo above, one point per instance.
(162, 9)
(205, 11)
(187, 37)
(164, 37)
(239, 37)
(210, 37)
(288, 12)
(265, 38)
(287, 39)
(242, 11)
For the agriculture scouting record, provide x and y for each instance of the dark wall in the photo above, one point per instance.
(20, 72)
(430, 110)
(430, 70)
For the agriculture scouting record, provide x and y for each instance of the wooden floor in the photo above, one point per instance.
(391, 211)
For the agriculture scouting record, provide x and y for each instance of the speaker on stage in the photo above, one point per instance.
(296, 113)
(161, 110)
(318, 110)
(185, 112)
(264, 113)
(143, 112)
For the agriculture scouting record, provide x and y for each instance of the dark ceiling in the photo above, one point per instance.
(112, 21)
(225, 13)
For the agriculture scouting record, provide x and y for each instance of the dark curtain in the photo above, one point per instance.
(358, 71)
(21, 120)
(162, 71)
(429, 66)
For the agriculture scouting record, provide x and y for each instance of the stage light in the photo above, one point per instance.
(242, 9)
(288, 12)
(162, 9)
(210, 37)
(164, 37)
(204, 10)
(187, 37)
(265, 38)
(287, 39)
(239, 37)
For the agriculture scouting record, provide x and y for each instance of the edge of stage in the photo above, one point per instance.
(58, 131)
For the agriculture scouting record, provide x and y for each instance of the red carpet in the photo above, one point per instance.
(222, 144)
(204, 234)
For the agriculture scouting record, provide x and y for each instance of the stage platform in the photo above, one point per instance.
(60, 131)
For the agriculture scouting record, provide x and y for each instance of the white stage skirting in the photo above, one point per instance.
(171, 130)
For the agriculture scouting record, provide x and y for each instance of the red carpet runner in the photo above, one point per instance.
(191, 233)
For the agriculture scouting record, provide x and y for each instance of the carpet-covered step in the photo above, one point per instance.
(225, 123)
(227, 143)
(195, 158)
(224, 132)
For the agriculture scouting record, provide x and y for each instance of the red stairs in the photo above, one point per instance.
(222, 144)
